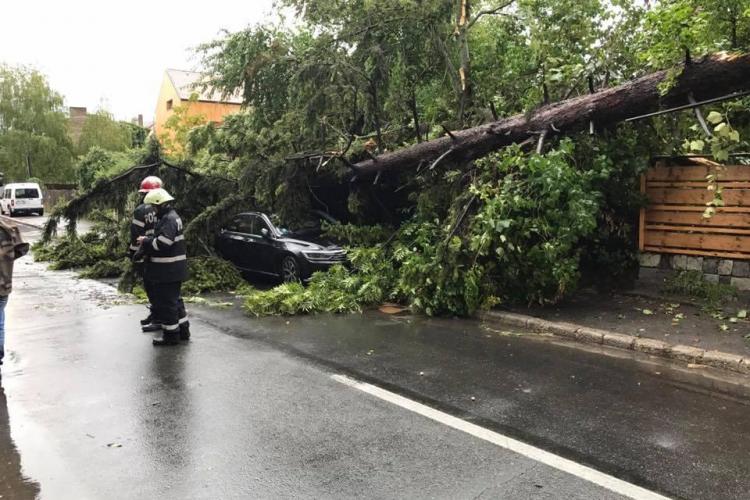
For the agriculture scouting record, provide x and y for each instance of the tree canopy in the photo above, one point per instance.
(34, 138)
(103, 131)
(347, 81)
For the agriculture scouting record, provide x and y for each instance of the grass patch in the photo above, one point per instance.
(692, 284)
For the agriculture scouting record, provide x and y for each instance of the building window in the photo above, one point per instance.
(169, 104)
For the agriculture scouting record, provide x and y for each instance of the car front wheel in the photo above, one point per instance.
(289, 269)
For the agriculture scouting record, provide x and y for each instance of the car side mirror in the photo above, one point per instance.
(266, 234)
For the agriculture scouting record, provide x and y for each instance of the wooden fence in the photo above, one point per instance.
(673, 221)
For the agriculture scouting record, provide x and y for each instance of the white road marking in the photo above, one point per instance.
(594, 476)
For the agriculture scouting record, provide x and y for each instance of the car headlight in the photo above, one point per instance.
(330, 256)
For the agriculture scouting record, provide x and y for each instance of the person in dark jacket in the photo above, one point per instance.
(11, 248)
(142, 224)
(166, 269)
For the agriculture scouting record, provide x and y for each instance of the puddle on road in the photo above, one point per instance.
(13, 482)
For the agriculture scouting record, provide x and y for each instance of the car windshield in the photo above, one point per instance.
(310, 223)
(27, 193)
(299, 227)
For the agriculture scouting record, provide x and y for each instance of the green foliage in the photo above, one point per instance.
(347, 80)
(178, 127)
(99, 164)
(356, 235)
(677, 27)
(105, 269)
(522, 244)
(210, 274)
(532, 220)
(101, 130)
(33, 128)
(99, 253)
(723, 141)
(609, 255)
(693, 285)
(335, 291)
(71, 253)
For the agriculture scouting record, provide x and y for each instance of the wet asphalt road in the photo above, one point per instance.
(249, 409)
(38, 222)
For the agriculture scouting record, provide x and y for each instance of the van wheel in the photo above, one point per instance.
(11, 212)
(41, 212)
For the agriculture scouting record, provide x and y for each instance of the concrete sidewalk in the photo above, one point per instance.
(659, 325)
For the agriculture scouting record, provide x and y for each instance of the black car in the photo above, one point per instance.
(255, 244)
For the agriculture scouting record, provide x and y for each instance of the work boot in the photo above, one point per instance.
(167, 338)
(151, 327)
(148, 320)
(185, 332)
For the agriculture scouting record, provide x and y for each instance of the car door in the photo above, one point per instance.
(262, 248)
(232, 241)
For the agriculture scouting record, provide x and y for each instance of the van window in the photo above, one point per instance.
(7, 193)
(24, 193)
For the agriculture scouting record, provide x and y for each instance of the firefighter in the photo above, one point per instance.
(166, 269)
(143, 223)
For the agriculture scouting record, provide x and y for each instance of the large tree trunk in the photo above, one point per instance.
(713, 76)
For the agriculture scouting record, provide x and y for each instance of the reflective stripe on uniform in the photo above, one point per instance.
(138, 223)
(166, 260)
(134, 247)
(170, 328)
(183, 320)
(153, 244)
(149, 231)
(169, 242)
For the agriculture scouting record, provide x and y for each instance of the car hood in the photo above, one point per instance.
(313, 244)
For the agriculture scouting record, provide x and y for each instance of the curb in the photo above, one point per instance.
(580, 333)
(21, 222)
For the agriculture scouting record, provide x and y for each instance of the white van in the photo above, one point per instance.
(21, 198)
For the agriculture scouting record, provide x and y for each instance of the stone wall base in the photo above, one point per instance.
(715, 270)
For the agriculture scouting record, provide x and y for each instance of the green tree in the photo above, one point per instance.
(34, 138)
(177, 128)
(99, 163)
(103, 131)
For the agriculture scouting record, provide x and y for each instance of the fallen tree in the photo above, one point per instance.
(711, 77)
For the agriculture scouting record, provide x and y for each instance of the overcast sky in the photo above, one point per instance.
(115, 53)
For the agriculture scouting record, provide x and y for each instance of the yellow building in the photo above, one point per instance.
(178, 86)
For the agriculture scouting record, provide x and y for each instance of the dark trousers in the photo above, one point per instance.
(166, 305)
(148, 286)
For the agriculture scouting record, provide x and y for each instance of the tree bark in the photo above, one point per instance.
(713, 76)
(464, 71)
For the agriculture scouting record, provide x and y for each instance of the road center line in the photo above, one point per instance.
(594, 476)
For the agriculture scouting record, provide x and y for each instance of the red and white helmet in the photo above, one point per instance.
(150, 183)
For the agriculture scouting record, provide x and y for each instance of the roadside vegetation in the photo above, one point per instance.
(528, 224)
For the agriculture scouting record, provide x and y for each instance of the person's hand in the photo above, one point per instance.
(140, 239)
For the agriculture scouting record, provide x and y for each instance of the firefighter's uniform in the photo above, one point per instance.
(165, 270)
(143, 224)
